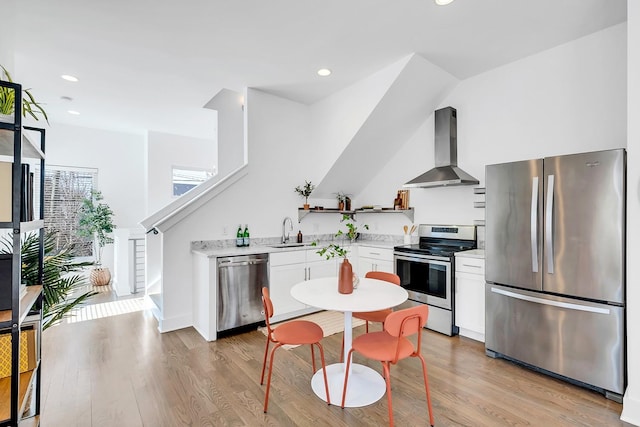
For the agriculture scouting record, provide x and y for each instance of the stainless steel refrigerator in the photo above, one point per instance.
(555, 266)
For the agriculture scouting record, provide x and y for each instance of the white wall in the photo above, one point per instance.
(336, 119)
(631, 403)
(278, 132)
(7, 35)
(120, 160)
(564, 100)
(229, 106)
(167, 150)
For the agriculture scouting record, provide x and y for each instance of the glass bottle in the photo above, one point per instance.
(239, 236)
(245, 235)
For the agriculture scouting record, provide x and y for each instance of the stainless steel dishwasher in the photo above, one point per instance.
(240, 282)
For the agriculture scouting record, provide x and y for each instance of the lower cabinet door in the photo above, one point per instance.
(280, 283)
(321, 269)
(470, 306)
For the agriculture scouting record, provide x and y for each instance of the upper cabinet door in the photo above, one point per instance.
(585, 225)
(513, 221)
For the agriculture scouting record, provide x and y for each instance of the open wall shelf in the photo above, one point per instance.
(408, 212)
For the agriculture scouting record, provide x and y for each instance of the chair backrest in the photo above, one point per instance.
(383, 275)
(407, 321)
(268, 307)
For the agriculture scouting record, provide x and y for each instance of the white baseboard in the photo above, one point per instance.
(631, 407)
(471, 334)
(174, 323)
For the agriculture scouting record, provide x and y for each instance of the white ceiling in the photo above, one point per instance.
(152, 64)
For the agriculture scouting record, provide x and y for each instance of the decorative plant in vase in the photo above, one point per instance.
(305, 191)
(346, 278)
(96, 220)
(8, 98)
(344, 201)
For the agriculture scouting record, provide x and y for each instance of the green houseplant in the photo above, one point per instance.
(346, 278)
(351, 233)
(96, 220)
(305, 191)
(29, 104)
(62, 288)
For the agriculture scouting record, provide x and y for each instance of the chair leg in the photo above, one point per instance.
(313, 359)
(366, 327)
(266, 396)
(324, 372)
(426, 386)
(387, 380)
(264, 361)
(342, 349)
(346, 377)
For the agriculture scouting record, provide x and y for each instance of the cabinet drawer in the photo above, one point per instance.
(470, 265)
(377, 253)
(286, 258)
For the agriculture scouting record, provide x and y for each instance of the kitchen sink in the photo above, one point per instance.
(289, 245)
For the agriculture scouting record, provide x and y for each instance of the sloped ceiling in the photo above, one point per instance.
(415, 93)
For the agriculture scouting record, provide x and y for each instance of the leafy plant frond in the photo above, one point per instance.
(333, 250)
(29, 104)
(59, 284)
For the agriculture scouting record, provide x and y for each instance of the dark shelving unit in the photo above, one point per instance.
(25, 315)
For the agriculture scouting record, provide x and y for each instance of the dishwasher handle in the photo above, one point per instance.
(240, 261)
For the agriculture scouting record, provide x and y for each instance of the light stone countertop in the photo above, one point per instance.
(473, 253)
(261, 248)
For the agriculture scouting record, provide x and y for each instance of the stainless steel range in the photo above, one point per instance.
(427, 269)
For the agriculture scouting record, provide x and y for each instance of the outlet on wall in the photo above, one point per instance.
(225, 230)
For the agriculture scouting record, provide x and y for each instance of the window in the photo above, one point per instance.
(184, 179)
(64, 190)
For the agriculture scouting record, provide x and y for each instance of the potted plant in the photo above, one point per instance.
(96, 220)
(346, 278)
(344, 201)
(305, 191)
(7, 102)
(341, 198)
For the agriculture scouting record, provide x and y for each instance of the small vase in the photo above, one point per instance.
(306, 206)
(345, 279)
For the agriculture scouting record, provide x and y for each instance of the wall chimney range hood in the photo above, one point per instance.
(446, 172)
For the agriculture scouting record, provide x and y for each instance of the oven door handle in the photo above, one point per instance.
(421, 259)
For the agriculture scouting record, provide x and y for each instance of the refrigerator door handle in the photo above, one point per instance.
(549, 224)
(544, 301)
(534, 224)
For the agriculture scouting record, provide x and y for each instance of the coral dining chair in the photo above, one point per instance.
(392, 345)
(295, 332)
(378, 315)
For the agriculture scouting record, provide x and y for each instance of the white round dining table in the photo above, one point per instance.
(366, 386)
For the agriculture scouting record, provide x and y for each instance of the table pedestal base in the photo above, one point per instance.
(366, 386)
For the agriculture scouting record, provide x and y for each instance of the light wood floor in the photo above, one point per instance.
(119, 371)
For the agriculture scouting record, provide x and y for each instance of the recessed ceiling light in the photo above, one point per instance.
(443, 2)
(75, 113)
(324, 72)
(69, 78)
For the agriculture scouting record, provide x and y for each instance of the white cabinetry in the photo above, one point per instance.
(470, 296)
(288, 269)
(371, 258)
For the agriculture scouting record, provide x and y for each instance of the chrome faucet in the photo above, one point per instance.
(285, 238)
